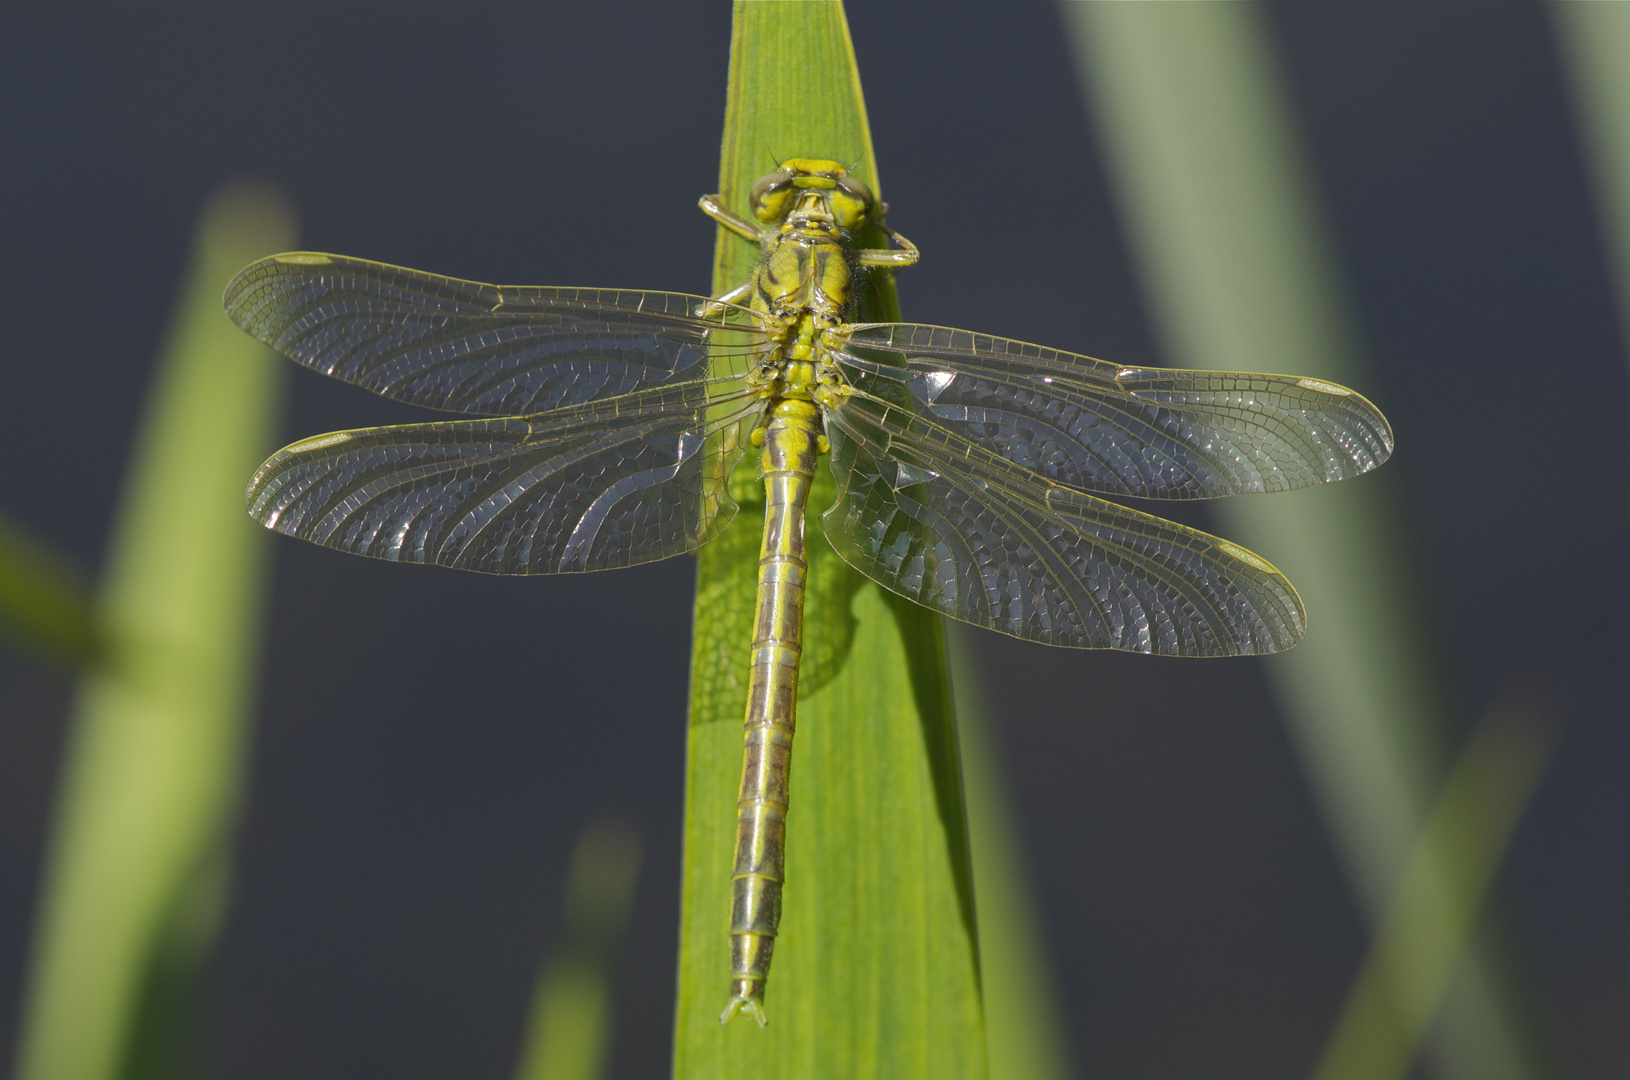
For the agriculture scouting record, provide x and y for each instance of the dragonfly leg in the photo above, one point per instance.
(907, 255)
(713, 208)
(714, 304)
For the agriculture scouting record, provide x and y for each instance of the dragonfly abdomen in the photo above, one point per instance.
(791, 448)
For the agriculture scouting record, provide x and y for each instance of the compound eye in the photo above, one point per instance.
(851, 203)
(771, 197)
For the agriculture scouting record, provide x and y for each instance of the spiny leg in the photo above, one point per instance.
(906, 256)
(747, 230)
(715, 305)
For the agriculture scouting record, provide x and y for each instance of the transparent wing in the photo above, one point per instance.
(586, 488)
(1148, 432)
(962, 530)
(492, 350)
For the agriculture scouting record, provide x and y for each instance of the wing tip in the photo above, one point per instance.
(1280, 617)
(239, 296)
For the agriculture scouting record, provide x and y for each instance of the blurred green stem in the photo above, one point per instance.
(45, 604)
(1223, 219)
(569, 1034)
(1444, 886)
(1595, 44)
(138, 862)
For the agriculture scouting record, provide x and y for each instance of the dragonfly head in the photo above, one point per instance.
(812, 189)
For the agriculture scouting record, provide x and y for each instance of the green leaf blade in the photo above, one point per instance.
(876, 967)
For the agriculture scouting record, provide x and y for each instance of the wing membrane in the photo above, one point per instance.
(958, 528)
(601, 486)
(1147, 432)
(491, 350)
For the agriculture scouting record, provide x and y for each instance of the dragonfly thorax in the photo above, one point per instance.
(805, 270)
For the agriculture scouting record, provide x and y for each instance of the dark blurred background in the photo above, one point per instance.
(429, 743)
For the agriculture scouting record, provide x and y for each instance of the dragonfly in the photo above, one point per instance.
(601, 427)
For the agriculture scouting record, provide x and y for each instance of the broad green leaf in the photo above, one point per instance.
(1224, 225)
(876, 969)
(139, 859)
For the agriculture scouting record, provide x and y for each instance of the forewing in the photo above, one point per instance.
(492, 350)
(590, 488)
(963, 531)
(1147, 432)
